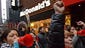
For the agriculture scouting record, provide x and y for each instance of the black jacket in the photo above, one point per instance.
(42, 40)
(56, 32)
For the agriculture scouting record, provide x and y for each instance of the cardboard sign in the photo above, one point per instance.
(71, 2)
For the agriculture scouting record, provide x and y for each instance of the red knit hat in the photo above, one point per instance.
(81, 32)
(26, 40)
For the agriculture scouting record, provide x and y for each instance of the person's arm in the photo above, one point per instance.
(81, 23)
(56, 32)
(84, 26)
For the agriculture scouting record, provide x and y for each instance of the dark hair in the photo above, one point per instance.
(5, 34)
(39, 29)
(20, 26)
(32, 30)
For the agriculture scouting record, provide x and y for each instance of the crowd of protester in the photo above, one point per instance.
(14, 38)
(75, 36)
(53, 37)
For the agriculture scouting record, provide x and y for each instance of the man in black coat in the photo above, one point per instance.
(56, 32)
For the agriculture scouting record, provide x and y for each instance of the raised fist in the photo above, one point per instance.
(59, 7)
(80, 23)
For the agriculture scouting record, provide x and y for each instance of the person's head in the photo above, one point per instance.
(68, 39)
(41, 29)
(73, 30)
(47, 29)
(32, 30)
(9, 35)
(22, 26)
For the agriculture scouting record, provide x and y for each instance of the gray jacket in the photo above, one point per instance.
(78, 42)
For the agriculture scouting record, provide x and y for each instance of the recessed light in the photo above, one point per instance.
(79, 5)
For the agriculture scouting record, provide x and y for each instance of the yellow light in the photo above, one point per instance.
(42, 24)
(32, 24)
(68, 20)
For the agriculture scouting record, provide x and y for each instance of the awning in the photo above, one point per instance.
(71, 2)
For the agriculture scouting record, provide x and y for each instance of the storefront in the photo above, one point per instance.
(40, 11)
(76, 11)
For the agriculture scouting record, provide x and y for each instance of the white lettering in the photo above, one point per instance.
(44, 4)
(33, 9)
(13, 3)
(36, 8)
(39, 6)
(26, 11)
(47, 3)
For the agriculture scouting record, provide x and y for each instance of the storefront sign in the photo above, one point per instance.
(44, 4)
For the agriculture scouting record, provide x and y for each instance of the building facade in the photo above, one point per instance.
(0, 13)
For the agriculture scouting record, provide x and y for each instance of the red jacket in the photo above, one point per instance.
(81, 32)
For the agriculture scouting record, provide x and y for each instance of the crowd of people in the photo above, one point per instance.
(53, 37)
(74, 36)
(19, 38)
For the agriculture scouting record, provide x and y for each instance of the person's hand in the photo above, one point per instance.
(32, 34)
(59, 7)
(16, 39)
(80, 23)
